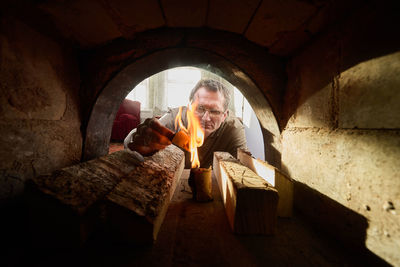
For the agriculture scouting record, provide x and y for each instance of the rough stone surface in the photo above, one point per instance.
(26, 92)
(86, 21)
(326, 14)
(25, 155)
(283, 27)
(314, 110)
(330, 63)
(233, 19)
(39, 119)
(182, 13)
(311, 85)
(134, 16)
(274, 18)
(341, 96)
(369, 94)
(357, 169)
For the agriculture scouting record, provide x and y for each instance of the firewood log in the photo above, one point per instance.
(136, 207)
(274, 176)
(250, 202)
(67, 205)
(63, 205)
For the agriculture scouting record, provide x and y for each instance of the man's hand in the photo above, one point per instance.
(150, 137)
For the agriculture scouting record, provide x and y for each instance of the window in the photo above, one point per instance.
(180, 82)
(243, 109)
(140, 93)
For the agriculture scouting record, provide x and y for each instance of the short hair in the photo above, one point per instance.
(212, 85)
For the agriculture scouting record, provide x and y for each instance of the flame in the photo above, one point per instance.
(193, 130)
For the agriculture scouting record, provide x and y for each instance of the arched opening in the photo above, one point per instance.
(103, 113)
(155, 95)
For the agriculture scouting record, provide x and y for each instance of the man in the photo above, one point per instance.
(221, 131)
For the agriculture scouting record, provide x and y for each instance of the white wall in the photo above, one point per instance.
(255, 141)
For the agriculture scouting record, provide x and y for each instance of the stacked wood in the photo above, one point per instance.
(67, 205)
(250, 202)
(278, 179)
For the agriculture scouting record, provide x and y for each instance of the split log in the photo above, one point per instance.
(250, 202)
(278, 179)
(63, 205)
(68, 205)
(136, 207)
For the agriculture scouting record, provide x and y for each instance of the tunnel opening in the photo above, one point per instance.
(168, 89)
(100, 122)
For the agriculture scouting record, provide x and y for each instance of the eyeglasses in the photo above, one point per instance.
(200, 110)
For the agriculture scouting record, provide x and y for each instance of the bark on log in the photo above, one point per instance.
(250, 202)
(66, 206)
(137, 206)
(279, 180)
(63, 205)
(80, 186)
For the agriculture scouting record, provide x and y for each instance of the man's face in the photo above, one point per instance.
(210, 109)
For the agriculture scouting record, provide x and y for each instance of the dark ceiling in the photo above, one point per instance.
(281, 26)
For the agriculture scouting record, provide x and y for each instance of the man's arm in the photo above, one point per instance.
(129, 138)
(151, 135)
(165, 120)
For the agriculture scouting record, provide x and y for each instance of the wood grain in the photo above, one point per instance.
(250, 202)
(282, 182)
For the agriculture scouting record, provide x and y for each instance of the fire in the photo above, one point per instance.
(193, 130)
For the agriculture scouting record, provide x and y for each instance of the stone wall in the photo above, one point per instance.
(39, 114)
(341, 141)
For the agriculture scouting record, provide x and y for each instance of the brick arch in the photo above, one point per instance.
(104, 110)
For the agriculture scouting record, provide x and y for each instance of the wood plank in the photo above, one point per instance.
(274, 176)
(250, 202)
(136, 207)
